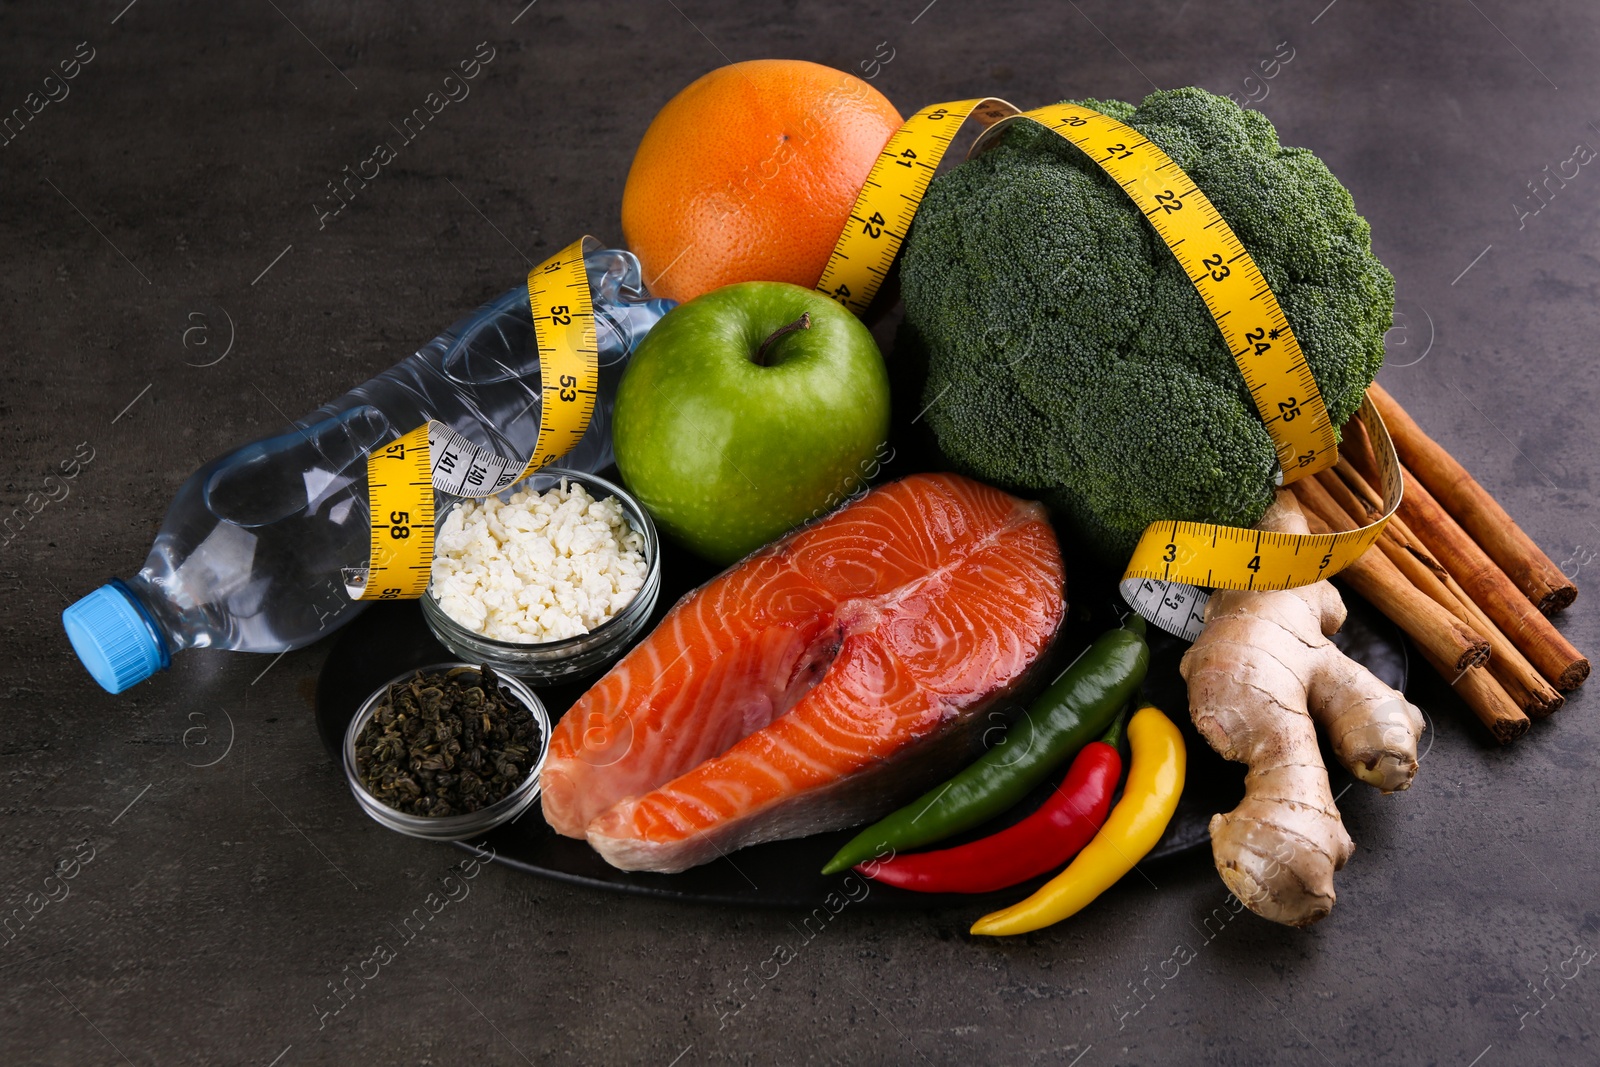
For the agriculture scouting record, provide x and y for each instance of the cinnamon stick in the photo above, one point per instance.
(1479, 690)
(1380, 581)
(1357, 449)
(1361, 509)
(1477, 685)
(1490, 589)
(1533, 572)
(1484, 582)
(1480, 687)
(1361, 481)
(1521, 681)
(1524, 685)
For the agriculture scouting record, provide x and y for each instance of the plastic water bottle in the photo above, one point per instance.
(254, 547)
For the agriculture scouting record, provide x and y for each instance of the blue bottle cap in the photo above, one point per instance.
(114, 638)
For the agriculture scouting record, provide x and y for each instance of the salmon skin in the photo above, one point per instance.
(818, 684)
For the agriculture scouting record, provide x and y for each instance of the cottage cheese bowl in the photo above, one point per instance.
(552, 578)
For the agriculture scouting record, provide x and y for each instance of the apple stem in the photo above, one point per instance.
(802, 323)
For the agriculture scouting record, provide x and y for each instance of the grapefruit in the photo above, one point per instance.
(749, 174)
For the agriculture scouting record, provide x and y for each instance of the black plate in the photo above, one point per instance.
(390, 638)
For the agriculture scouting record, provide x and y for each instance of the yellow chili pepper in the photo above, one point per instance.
(1155, 781)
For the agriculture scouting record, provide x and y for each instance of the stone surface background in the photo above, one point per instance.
(178, 179)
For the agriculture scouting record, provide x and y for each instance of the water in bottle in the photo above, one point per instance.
(256, 544)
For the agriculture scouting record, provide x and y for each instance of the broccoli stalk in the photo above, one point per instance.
(1069, 357)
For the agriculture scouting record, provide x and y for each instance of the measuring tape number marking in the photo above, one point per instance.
(403, 476)
(894, 189)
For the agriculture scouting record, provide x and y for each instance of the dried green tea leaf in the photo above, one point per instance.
(446, 743)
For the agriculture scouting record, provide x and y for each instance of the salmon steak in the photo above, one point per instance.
(823, 681)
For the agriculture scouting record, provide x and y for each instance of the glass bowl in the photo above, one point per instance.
(569, 657)
(449, 827)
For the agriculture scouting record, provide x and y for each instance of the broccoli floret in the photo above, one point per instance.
(1069, 357)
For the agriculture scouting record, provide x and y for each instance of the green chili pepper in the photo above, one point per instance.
(1074, 710)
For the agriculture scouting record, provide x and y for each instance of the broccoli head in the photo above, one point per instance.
(1069, 357)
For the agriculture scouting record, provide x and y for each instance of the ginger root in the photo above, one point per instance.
(1261, 675)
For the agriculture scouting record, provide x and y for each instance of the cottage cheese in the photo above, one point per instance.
(538, 567)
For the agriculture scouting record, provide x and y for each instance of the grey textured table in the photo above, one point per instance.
(178, 186)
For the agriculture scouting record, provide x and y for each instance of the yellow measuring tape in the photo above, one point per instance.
(1172, 558)
(403, 476)
(883, 209)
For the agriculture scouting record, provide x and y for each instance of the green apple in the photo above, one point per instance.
(747, 411)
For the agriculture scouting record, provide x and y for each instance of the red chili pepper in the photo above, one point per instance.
(1049, 837)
